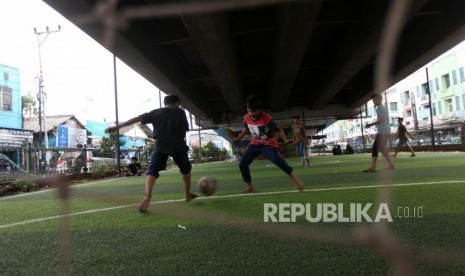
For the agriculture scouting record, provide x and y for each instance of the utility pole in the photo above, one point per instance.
(41, 95)
(118, 150)
(428, 90)
(361, 127)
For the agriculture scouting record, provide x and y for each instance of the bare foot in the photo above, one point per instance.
(144, 205)
(191, 197)
(299, 186)
(249, 190)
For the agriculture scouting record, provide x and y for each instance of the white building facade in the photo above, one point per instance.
(436, 115)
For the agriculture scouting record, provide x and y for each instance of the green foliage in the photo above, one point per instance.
(196, 154)
(110, 143)
(211, 150)
(10, 176)
(148, 151)
(224, 152)
(101, 170)
(26, 184)
(29, 105)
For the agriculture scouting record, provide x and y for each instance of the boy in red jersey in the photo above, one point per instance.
(261, 127)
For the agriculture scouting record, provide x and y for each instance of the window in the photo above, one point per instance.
(6, 98)
(406, 98)
(424, 91)
(461, 74)
(439, 108)
(437, 84)
(434, 109)
(454, 77)
(408, 113)
(6, 76)
(412, 98)
(457, 102)
(393, 106)
(446, 80)
(449, 105)
(424, 113)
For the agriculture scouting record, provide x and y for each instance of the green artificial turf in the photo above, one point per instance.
(225, 234)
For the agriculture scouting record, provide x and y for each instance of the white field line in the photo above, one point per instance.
(229, 196)
(311, 164)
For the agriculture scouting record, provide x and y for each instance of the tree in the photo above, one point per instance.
(211, 150)
(29, 105)
(110, 143)
(196, 154)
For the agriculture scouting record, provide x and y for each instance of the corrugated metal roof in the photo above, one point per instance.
(51, 122)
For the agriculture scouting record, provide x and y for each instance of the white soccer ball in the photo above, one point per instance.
(207, 185)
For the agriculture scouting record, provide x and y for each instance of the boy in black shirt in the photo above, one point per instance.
(134, 167)
(169, 129)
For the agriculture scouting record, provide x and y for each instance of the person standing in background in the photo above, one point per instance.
(403, 135)
(299, 138)
(382, 134)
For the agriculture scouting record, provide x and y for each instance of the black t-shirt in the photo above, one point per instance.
(134, 167)
(169, 129)
(402, 133)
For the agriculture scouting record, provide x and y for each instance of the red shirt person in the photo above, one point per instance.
(260, 126)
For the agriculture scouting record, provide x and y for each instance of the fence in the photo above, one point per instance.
(40, 160)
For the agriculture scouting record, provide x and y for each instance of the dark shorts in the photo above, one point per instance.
(380, 145)
(158, 162)
(402, 142)
(269, 152)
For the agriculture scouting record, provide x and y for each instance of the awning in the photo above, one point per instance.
(14, 138)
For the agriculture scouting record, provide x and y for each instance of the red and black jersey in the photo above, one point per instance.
(261, 130)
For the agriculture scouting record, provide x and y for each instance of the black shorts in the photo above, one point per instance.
(159, 159)
(402, 142)
(379, 145)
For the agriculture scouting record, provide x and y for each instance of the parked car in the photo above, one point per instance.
(75, 161)
(109, 158)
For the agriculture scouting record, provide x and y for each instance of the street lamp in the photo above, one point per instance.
(135, 114)
(41, 96)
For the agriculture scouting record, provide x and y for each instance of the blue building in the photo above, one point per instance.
(12, 134)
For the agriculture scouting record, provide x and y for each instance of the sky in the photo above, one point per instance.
(77, 71)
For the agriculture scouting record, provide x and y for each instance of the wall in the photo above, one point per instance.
(9, 77)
